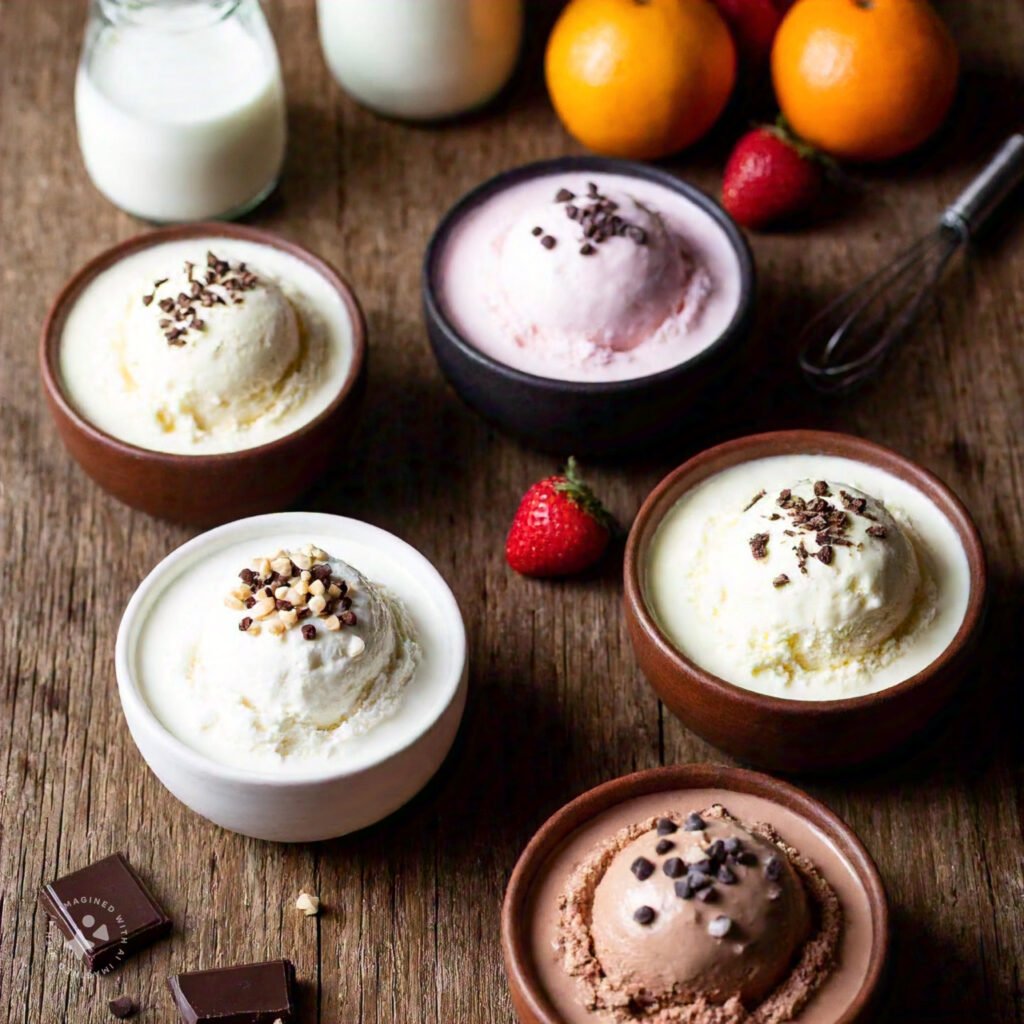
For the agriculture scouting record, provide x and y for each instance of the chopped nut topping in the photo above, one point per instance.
(297, 594)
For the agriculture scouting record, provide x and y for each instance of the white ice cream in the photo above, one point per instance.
(271, 689)
(255, 361)
(804, 592)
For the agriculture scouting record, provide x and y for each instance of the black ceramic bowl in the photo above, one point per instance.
(588, 418)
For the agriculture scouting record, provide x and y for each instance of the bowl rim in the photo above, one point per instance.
(135, 703)
(730, 334)
(523, 976)
(67, 296)
(764, 445)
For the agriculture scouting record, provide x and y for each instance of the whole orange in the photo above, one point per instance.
(639, 78)
(864, 79)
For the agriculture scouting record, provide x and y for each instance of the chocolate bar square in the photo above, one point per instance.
(245, 994)
(105, 912)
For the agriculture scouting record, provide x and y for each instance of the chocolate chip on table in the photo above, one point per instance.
(666, 826)
(644, 915)
(720, 926)
(773, 868)
(674, 867)
(123, 1007)
(664, 845)
(642, 868)
(694, 823)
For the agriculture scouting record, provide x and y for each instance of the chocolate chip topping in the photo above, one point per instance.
(642, 868)
(759, 545)
(666, 826)
(773, 868)
(663, 847)
(694, 822)
(754, 500)
(644, 915)
(222, 284)
(674, 867)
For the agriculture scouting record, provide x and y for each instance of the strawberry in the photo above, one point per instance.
(753, 24)
(560, 527)
(770, 176)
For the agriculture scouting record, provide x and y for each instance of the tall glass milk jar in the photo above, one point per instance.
(180, 107)
(421, 59)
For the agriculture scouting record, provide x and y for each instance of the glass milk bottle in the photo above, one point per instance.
(421, 59)
(180, 107)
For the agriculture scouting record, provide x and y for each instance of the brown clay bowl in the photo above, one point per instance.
(797, 735)
(202, 489)
(532, 1001)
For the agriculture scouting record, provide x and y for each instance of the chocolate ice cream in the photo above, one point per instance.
(697, 918)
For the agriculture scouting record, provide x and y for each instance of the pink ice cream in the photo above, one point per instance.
(589, 277)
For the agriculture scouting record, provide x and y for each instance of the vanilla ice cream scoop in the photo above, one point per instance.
(303, 648)
(593, 270)
(210, 345)
(805, 577)
(699, 906)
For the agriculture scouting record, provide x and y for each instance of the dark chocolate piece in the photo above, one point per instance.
(773, 869)
(246, 994)
(664, 845)
(105, 912)
(666, 826)
(694, 823)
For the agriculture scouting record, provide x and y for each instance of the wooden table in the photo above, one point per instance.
(410, 929)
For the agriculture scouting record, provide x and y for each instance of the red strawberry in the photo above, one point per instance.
(770, 176)
(560, 527)
(753, 24)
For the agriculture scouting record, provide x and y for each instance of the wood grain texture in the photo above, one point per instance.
(410, 929)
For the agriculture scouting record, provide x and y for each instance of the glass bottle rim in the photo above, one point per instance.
(138, 13)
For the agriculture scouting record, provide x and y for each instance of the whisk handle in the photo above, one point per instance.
(980, 199)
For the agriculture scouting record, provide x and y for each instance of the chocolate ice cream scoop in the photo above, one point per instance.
(699, 906)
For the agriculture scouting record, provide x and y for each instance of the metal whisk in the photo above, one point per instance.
(847, 341)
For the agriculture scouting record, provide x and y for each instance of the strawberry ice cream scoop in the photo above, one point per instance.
(593, 274)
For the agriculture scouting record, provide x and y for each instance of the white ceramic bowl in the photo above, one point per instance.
(371, 784)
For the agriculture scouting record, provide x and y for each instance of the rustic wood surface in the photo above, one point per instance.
(410, 929)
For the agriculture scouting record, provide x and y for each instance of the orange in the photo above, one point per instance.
(864, 79)
(639, 78)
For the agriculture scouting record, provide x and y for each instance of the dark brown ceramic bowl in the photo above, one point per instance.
(534, 1005)
(202, 489)
(797, 735)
